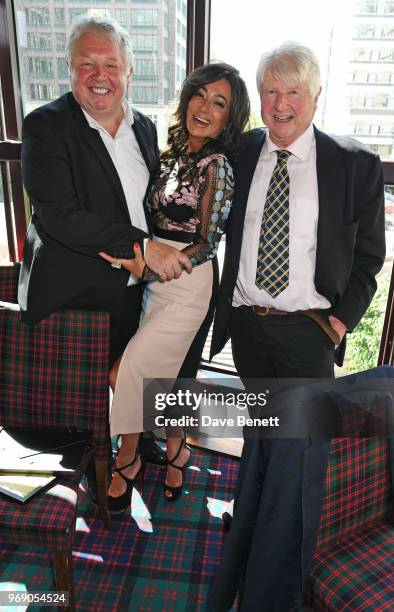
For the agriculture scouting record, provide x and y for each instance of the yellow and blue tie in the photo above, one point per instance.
(272, 273)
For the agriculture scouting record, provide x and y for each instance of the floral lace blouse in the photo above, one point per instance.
(193, 212)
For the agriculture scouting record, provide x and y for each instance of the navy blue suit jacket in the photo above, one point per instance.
(350, 234)
(263, 555)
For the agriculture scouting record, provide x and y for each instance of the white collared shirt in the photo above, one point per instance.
(130, 166)
(304, 212)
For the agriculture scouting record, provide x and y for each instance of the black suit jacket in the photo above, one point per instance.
(350, 234)
(79, 208)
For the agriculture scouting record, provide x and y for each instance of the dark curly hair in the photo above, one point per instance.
(228, 141)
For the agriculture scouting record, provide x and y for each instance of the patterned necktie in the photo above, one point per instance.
(272, 273)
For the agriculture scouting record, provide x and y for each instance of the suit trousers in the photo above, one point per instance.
(279, 346)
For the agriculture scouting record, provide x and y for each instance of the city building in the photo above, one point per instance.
(158, 30)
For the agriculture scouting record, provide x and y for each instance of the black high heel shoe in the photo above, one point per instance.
(176, 491)
(118, 505)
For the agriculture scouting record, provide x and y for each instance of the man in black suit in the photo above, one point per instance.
(87, 159)
(304, 244)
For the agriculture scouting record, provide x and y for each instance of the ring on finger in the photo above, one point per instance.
(116, 264)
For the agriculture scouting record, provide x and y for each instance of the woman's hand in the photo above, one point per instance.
(134, 266)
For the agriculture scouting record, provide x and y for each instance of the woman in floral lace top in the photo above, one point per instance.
(189, 203)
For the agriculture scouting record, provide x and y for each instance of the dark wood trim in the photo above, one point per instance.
(10, 130)
(388, 172)
(10, 150)
(386, 355)
(198, 21)
(386, 344)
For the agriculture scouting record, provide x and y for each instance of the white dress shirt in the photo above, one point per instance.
(303, 213)
(130, 166)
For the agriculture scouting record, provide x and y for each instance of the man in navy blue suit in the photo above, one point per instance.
(331, 243)
(304, 243)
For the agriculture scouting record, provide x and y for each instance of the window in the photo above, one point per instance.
(60, 41)
(144, 95)
(144, 17)
(75, 12)
(365, 31)
(153, 81)
(360, 128)
(357, 101)
(145, 69)
(121, 16)
(59, 17)
(356, 87)
(388, 32)
(40, 67)
(62, 68)
(37, 16)
(43, 92)
(63, 88)
(380, 101)
(368, 7)
(361, 55)
(382, 149)
(389, 7)
(387, 129)
(39, 40)
(359, 77)
(384, 77)
(386, 55)
(145, 42)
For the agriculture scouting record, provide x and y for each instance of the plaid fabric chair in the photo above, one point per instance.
(53, 374)
(354, 558)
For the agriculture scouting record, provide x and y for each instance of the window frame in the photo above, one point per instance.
(17, 209)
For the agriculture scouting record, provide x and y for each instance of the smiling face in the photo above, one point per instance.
(208, 112)
(286, 109)
(99, 75)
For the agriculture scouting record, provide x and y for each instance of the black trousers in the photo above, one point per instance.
(279, 346)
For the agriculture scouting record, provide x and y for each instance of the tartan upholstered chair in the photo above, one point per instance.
(353, 566)
(53, 374)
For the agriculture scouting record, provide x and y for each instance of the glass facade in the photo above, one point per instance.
(354, 42)
(158, 30)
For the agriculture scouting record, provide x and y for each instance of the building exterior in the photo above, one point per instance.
(158, 29)
(371, 75)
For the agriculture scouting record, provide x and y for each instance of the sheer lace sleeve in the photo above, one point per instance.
(215, 185)
(215, 199)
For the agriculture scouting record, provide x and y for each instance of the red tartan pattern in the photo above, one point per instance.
(9, 283)
(46, 520)
(358, 487)
(357, 573)
(127, 568)
(55, 373)
(365, 420)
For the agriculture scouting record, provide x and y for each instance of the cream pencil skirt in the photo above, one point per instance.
(172, 313)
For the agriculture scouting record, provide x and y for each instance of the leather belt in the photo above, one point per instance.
(264, 311)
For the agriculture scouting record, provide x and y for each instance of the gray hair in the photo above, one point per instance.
(105, 26)
(291, 62)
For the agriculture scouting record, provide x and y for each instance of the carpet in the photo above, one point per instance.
(162, 558)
